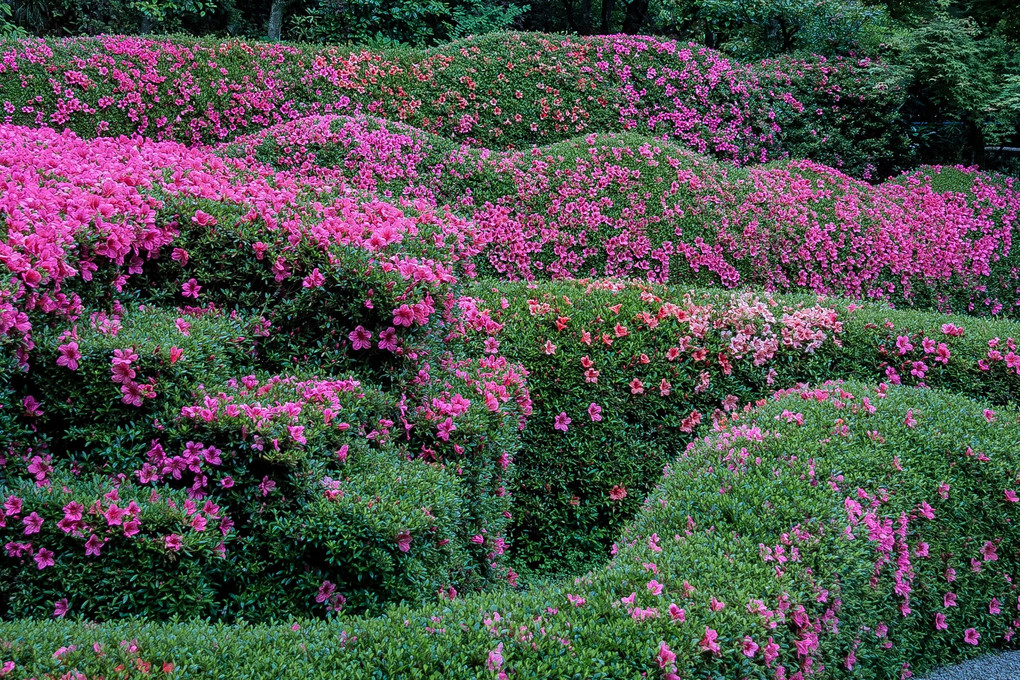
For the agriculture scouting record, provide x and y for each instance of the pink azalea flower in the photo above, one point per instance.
(748, 647)
(360, 338)
(909, 421)
(388, 339)
(180, 256)
(595, 412)
(33, 523)
(445, 428)
(666, 656)
(173, 542)
(654, 587)
(617, 493)
(60, 608)
(93, 546)
(404, 541)
(190, 288)
(677, 614)
(940, 621)
(495, 660)
(708, 642)
(69, 356)
(314, 280)
(971, 636)
(1011, 496)
(44, 558)
(562, 422)
(403, 316)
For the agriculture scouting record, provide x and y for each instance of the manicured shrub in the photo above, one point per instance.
(843, 112)
(627, 206)
(499, 90)
(105, 546)
(895, 552)
(622, 375)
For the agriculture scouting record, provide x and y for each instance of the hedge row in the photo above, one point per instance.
(630, 206)
(613, 364)
(499, 90)
(835, 531)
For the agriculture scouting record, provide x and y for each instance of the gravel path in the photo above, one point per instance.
(992, 667)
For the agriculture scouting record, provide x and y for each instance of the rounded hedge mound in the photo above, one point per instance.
(831, 531)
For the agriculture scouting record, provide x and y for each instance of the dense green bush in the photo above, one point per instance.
(831, 529)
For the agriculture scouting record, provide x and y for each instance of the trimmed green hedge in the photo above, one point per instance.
(834, 528)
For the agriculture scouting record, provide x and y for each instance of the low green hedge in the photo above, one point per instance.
(837, 531)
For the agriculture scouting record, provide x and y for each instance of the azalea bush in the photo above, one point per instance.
(613, 363)
(894, 553)
(629, 206)
(499, 90)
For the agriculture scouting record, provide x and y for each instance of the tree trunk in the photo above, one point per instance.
(607, 15)
(976, 141)
(584, 20)
(634, 19)
(276, 19)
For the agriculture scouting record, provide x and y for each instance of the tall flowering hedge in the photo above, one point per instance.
(895, 553)
(176, 322)
(502, 90)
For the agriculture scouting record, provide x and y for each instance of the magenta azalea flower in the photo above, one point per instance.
(562, 422)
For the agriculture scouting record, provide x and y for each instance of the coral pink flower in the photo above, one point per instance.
(617, 493)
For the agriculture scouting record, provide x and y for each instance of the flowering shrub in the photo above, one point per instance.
(497, 90)
(894, 554)
(622, 205)
(842, 111)
(146, 275)
(613, 364)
